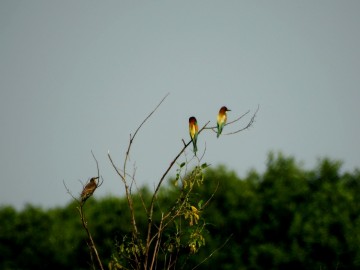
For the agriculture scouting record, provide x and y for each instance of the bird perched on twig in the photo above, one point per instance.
(193, 130)
(221, 119)
(89, 189)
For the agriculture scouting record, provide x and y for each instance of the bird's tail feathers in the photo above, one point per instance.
(195, 147)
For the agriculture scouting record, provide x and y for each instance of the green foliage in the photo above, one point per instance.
(24, 239)
(178, 227)
(285, 218)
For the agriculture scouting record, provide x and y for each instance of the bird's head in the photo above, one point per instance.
(224, 109)
(93, 179)
(192, 120)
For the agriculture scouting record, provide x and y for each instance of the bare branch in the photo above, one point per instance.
(97, 164)
(183, 141)
(128, 196)
(203, 154)
(116, 169)
(214, 128)
(139, 127)
(229, 123)
(69, 192)
(249, 124)
(133, 181)
(237, 119)
(100, 182)
(143, 122)
(90, 243)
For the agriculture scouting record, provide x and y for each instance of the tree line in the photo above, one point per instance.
(286, 217)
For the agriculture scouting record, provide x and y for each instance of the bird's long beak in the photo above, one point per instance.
(228, 110)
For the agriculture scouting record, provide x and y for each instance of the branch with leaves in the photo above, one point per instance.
(146, 254)
(180, 226)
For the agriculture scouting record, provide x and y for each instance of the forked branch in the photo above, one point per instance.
(123, 174)
(248, 125)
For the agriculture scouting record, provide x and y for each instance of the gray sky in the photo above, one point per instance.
(77, 76)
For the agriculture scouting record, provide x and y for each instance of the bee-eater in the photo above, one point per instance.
(221, 120)
(193, 130)
(89, 189)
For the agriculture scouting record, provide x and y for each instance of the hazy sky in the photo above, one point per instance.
(77, 76)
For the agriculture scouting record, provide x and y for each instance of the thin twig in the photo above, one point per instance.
(229, 123)
(141, 197)
(237, 119)
(212, 195)
(203, 154)
(143, 122)
(116, 169)
(212, 253)
(69, 192)
(97, 164)
(214, 128)
(139, 127)
(100, 182)
(248, 125)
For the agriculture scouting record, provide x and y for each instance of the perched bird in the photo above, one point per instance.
(193, 130)
(89, 189)
(221, 120)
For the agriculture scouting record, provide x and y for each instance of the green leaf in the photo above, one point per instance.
(204, 165)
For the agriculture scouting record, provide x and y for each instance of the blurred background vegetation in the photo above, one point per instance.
(285, 218)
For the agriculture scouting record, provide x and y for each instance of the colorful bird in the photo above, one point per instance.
(221, 120)
(89, 189)
(193, 130)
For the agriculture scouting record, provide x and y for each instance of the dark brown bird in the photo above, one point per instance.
(89, 189)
